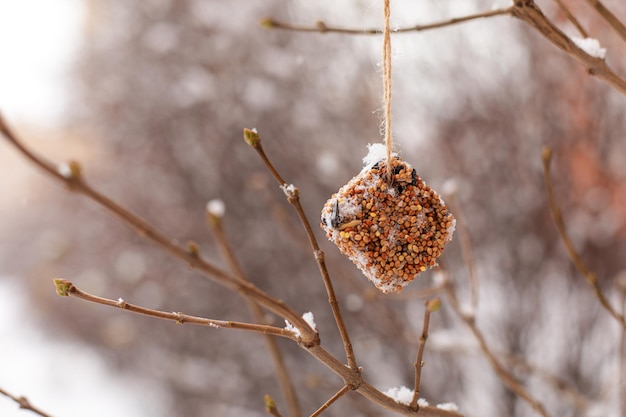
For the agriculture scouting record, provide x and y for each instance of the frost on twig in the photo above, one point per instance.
(591, 46)
(310, 320)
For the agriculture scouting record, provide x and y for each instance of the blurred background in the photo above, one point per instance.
(152, 97)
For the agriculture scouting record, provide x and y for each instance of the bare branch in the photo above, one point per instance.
(217, 226)
(573, 254)
(615, 23)
(572, 18)
(530, 13)
(24, 404)
(562, 386)
(332, 399)
(429, 307)
(66, 288)
(70, 175)
(507, 379)
(466, 247)
(321, 27)
(293, 196)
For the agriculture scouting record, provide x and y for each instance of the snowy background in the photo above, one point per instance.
(152, 99)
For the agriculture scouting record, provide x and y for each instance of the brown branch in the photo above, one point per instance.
(572, 18)
(293, 196)
(321, 27)
(351, 378)
(573, 254)
(466, 247)
(530, 13)
(613, 20)
(70, 175)
(429, 307)
(564, 387)
(215, 222)
(378, 397)
(66, 288)
(24, 404)
(507, 379)
(332, 399)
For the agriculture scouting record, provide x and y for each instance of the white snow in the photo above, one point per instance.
(65, 170)
(308, 317)
(377, 152)
(216, 208)
(591, 46)
(448, 406)
(289, 189)
(422, 402)
(403, 395)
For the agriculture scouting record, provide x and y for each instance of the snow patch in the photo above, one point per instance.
(308, 317)
(377, 152)
(591, 46)
(216, 207)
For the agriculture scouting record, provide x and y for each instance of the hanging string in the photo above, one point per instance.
(387, 85)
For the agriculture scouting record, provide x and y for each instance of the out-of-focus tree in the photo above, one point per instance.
(166, 87)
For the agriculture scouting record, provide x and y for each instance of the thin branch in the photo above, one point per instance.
(378, 397)
(507, 379)
(332, 399)
(573, 254)
(564, 387)
(215, 222)
(429, 307)
(293, 196)
(24, 404)
(613, 20)
(413, 294)
(321, 27)
(572, 18)
(466, 247)
(530, 13)
(70, 175)
(65, 288)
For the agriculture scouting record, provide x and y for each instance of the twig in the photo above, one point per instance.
(270, 406)
(615, 23)
(572, 18)
(573, 254)
(530, 13)
(559, 384)
(215, 222)
(507, 379)
(70, 174)
(253, 139)
(322, 27)
(466, 247)
(24, 404)
(430, 306)
(332, 399)
(413, 294)
(65, 288)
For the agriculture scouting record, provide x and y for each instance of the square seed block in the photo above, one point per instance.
(390, 228)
